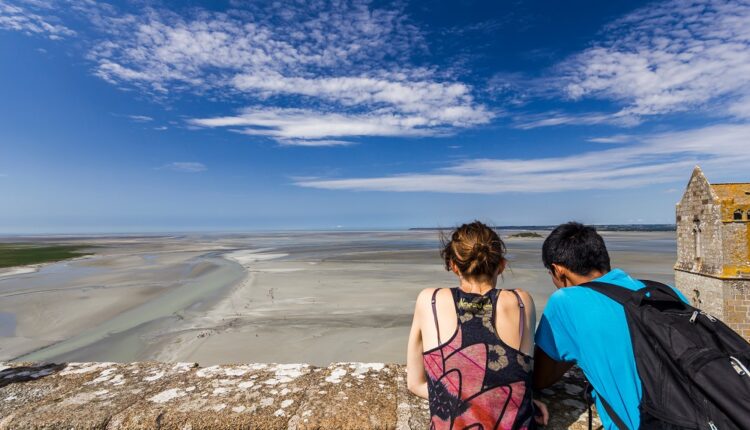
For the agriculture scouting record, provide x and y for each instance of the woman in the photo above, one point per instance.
(469, 347)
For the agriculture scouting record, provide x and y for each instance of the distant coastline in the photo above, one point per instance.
(600, 227)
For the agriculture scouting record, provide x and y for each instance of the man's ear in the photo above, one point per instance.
(561, 273)
(555, 269)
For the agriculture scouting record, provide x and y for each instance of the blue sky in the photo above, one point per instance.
(231, 115)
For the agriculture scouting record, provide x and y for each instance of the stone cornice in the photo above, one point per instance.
(152, 395)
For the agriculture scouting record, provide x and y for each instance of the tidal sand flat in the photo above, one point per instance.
(313, 297)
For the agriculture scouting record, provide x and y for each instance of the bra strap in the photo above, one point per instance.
(522, 319)
(434, 314)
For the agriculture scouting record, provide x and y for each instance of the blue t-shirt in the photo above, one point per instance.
(583, 326)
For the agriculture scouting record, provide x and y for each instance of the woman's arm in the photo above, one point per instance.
(527, 343)
(542, 413)
(416, 379)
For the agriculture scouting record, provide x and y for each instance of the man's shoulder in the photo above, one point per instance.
(570, 295)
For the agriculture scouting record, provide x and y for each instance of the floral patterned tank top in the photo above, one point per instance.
(475, 381)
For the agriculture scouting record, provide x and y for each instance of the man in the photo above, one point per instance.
(581, 326)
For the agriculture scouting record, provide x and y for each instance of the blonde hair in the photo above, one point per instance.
(475, 249)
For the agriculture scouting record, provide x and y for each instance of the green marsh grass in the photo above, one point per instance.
(21, 254)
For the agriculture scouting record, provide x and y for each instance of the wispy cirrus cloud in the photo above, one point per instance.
(315, 127)
(326, 58)
(185, 166)
(657, 158)
(555, 118)
(668, 57)
(339, 60)
(140, 118)
(617, 138)
(15, 17)
(205, 48)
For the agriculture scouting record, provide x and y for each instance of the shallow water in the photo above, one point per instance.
(190, 294)
(7, 324)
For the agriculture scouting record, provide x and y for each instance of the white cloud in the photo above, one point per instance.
(210, 49)
(617, 138)
(444, 101)
(740, 108)
(140, 118)
(672, 56)
(185, 166)
(300, 125)
(316, 142)
(658, 158)
(549, 119)
(341, 61)
(18, 18)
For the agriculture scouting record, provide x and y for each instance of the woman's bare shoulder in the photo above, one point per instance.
(510, 300)
(424, 299)
(425, 296)
(525, 296)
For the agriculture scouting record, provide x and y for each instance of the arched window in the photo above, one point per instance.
(738, 215)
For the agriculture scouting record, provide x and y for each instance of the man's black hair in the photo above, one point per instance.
(577, 247)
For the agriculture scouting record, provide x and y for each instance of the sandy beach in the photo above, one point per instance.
(313, 297)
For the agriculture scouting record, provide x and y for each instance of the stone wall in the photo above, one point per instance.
(726, 299)
(737, 306)
(736, 249)
(704, 292)
(154, 395)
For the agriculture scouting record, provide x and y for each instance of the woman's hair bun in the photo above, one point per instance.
(475, 249)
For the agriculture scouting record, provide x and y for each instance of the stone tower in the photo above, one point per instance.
(713, 249)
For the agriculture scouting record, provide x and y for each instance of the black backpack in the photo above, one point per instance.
(693, 367)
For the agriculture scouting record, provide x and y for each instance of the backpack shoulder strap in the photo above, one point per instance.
(615, 292)
(663, 288)
(652, 291)
(612, 414)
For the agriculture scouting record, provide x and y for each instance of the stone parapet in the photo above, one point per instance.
(152, 395)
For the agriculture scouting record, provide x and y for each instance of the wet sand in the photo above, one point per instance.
(268, 297)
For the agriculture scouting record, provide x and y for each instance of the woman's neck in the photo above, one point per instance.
(477, 287)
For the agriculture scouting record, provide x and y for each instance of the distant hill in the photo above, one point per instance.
(600, 227)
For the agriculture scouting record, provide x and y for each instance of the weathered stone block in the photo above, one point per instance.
(255, 396)
(85, 395)
(351, 396)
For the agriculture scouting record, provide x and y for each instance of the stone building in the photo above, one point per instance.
(713, 249)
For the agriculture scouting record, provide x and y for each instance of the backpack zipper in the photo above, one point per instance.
(694, 316)
(712, 426)
(709, 316)
(739, 367)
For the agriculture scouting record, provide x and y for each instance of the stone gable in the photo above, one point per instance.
(713, 249)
